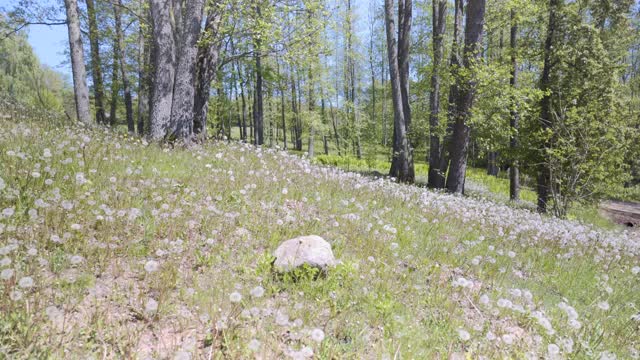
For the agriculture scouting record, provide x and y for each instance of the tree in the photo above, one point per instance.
(96, 63)
(120, 50)
(80, 89)
(183, 94)
(207, 65)
(436, 177)
(461, 131)
(164, 70)
(514, 171)
(402, 162)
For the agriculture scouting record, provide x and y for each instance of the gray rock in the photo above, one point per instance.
(311, 250)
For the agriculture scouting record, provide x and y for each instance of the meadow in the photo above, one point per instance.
(111, 247)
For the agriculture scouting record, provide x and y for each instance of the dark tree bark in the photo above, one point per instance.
(207, 66)
(404, 40)
(296, 115)
(115, 86)
(402, 162)
(126, 86)
(454, 64)
(184, 91)
(96, 64)
(492, 163)
(144, 67)
(311, 105)
(461, 130)
(258, 101)
(544, 173)
(282, 110)
(244, 104)
(164, 69)
(436, 177)
(514, 171)
(80, 89)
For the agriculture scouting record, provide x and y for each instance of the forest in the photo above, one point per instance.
(544, 92)
(470, 170)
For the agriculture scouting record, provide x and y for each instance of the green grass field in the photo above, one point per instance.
(114, 248)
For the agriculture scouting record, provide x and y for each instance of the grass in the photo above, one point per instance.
(136, 250)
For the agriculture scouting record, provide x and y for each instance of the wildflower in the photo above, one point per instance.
(508, 339)
(182, 355)
(8, 212)
(76, 259)
(603, 305)
(635, 270)
(5, 262)
(235, 297)
(257, 291)
(151, 306)
(317, 335)
(553, 349)
(254, 345)
(80, 179)
(484, 299)
(151, 266)
(464, 335)
(15, 295)
(6, 274)
(2, 184)
(285, 191)
(282, 319)
(26, 282)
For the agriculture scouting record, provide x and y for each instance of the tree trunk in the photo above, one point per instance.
(282, 110)
(544, 173)
(514, 172)
(258, 102)
(144, 67)
(96, 64)
(207, 66)
(164, 70)
(461, 130)
(80, 89)
(492, 163)
(128, 102)
(436, 178)
(244, 107)
(404, 40)
(294, 109)
(311, 105)
(402, 163)
(115, 68)
(184, 91)
(454, 63)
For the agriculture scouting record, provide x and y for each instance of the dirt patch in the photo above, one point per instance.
(623, 213)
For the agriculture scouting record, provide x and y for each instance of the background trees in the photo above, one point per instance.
(531, 88)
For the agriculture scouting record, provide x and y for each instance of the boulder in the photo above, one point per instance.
(311, 250)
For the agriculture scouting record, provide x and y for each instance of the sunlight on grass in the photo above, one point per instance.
(112, 247)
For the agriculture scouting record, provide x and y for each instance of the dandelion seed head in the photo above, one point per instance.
(254, 345)
(235, 297)
(151, 266)
(257, 292)
(6, 274)
(464, 335)
(317, 335)
(26, 282)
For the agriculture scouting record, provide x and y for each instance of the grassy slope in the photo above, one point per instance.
(420, 271)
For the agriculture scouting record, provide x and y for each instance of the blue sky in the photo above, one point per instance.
(50, 44)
